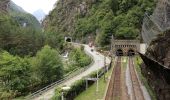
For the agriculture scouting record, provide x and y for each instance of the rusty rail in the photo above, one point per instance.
(114, 88)
(137, 92)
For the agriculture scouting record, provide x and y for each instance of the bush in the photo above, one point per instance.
(48, 65)
(14, 75)
(79, 58)
(78, 87)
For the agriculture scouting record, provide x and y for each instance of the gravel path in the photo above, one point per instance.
(129, 82)
(130, 87)
(98, 63)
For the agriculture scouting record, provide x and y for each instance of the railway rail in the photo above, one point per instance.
(114, 88)
(136, 89)
(114, 91)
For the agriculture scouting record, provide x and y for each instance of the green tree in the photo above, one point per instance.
(79, 58)
(54, 40)
(127, 33)
(18, 40)
(48, 65)
(14, 75)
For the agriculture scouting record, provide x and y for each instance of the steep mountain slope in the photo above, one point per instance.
(158, 79)
(23, 17)
(20, 32)
(158, 32)
(98, 19)
(4, 5)
(15, 8)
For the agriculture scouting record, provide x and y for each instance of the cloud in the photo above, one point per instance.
(33, 5)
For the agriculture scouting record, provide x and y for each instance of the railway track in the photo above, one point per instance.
(114, 91)
(114, 88)
(137, 92)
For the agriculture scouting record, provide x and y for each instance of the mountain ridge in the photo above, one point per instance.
(39, 14)
(23, 17)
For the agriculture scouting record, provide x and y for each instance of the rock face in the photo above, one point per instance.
(158, 35)
(159, 50)
(97, 20)
(4, 4)
(66, 12)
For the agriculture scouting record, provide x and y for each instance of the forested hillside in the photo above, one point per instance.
(98, 19)
(16, 39)
(18, 33)
(29, 58)
(23, 17)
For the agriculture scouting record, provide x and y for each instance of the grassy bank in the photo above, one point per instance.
(91, 94)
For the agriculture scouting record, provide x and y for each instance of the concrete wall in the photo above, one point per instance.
(143, 47)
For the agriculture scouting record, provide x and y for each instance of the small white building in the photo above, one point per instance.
(143, 47)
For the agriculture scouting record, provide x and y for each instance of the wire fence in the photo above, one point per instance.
(156, 23)
(59, 82)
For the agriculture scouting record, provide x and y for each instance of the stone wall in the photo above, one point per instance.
(125, 46)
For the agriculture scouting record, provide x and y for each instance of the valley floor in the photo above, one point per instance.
(98, 63)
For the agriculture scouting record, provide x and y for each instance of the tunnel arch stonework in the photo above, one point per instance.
(125, 46)
(68, 39)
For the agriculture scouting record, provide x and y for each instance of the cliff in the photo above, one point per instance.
(4, 4)
(159, 50)
(65, 15)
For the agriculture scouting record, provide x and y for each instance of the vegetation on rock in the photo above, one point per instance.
(18, 40)
(98, 18)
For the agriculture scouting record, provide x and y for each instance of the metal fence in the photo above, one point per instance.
(156, 23)
(59, 82)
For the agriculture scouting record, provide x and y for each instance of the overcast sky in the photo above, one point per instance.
(33, 5)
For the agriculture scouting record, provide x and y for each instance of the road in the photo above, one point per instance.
(98, 63)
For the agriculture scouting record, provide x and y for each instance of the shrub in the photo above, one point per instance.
(48, 65)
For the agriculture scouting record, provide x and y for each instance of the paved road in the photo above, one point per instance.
(98, 63)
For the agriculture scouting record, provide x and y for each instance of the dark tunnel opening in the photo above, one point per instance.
(119, 52)
(131, 52)
(68, 40)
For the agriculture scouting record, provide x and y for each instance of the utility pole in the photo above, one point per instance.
(97, 81)
(112, 47)
(104, 68)
(97, 88)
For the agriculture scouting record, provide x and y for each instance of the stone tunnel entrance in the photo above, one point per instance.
(125, 47)
(68, 39)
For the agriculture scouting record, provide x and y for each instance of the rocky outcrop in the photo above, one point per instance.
(4, 4)
(159, 50)
(66, 13)
(158, 35)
